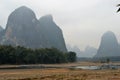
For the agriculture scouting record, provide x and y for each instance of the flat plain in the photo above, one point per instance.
(60, 73)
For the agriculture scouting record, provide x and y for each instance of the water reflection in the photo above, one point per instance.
(98, 67)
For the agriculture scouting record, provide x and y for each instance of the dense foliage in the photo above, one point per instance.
(21, 55)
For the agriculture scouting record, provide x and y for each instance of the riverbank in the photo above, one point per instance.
(66, 65)
(58, 72)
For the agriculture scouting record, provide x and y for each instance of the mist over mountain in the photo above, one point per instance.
(89, 51)
(74, 48)
(1, 29)
(51, 32)
(24, 29)
(109, 46)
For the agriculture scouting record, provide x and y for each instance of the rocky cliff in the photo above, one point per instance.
(24, 29)
(51, 32)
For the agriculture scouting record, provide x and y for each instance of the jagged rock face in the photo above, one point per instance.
(24, 29)
(51, 32)
(109, 46)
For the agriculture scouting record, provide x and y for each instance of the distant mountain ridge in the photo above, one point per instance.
(24, 29)
(109, 46)
(89, 51)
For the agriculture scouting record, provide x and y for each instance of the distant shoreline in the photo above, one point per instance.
(57, 66)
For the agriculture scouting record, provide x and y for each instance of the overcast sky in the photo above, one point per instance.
(83, 21)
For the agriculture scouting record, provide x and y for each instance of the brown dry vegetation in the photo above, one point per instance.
(60, 74)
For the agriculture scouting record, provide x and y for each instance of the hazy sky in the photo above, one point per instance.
(83, 21)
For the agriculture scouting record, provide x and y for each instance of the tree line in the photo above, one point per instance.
(22, 55)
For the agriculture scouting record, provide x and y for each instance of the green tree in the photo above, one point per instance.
(22, 55)
(71, 57)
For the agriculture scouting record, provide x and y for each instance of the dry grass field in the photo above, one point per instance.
(59, 74)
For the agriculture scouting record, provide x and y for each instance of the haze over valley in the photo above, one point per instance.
(60, 40)
(82, 23)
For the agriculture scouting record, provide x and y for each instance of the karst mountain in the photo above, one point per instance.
(24, 29)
